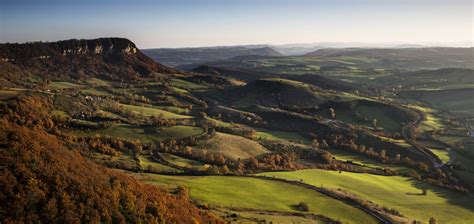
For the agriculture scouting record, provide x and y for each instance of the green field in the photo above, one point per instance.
(232, 146)
(431, 123)
(345, 155)
(98, 82)
(400, 193)
(93, 91)
(146, 163)
(452, 100)
(442, 154)
(185, 85)
(183, 162)
(63, 85)
(149, 111)
(218, 123)
(144, 134)
(467, 165)
(280, 135)
(247, 192)
(364, 115)
(451, 139)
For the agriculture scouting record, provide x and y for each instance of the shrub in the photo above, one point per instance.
(303, 206)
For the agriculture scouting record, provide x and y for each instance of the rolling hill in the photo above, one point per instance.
(446, 78)
(408, 58)
(313, 79)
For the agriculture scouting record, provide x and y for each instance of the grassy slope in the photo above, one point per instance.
(132, 132)
(63, 85)
(149, 111)
(232, 146)
(280, 135)
(146, 162)
(349, 116)
(245, 192)
(400, 193)
(365, 161)
(183, 162)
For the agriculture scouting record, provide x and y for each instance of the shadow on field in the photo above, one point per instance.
(452, 197)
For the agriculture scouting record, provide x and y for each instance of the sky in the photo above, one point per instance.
(193, 23)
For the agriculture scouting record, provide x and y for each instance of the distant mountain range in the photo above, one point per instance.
(181, 56)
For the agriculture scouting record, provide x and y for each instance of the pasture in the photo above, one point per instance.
(144, 134)
(400, 193)
(252, 193)
(150, 111)
(232, 146)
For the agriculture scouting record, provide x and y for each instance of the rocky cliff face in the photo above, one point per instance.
(112, 58)
(40, 50)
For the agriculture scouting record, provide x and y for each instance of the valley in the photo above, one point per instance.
(333, 136)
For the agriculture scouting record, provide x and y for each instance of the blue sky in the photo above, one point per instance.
(189, 23)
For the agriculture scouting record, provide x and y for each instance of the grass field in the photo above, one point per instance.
(442, 154)
(395, 192)
(6, 94)
(146, 163)
(365, 161)
(467, 164)
(183, 162)
(453, 100)
(451, 139)
(232, 146)
(95, 92)
(144, 134)
(172, 109)
(63, 85)
(149, 111)
(246, 192)
(280, 135)
(98, 82)
(185, 85)
(218, 123)
(357, 116)
(431, 123)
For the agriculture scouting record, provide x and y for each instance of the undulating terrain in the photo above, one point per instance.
(97, 131)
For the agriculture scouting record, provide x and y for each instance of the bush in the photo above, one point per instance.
(303, 206)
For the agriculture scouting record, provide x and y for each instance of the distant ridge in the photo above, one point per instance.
(400, 52)
(182, 56)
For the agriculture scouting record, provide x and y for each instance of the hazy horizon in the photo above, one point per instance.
(200, 23)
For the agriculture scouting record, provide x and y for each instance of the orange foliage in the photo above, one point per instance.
(43, 180)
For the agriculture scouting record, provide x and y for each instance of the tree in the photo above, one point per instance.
(327, 157)
(324, 144)
(415, 175)
(225, 169)
(303, 206)
(424, 191)
(332, 112)
(253, 163)
(397, 158)
(423, 167)
(315, 143)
